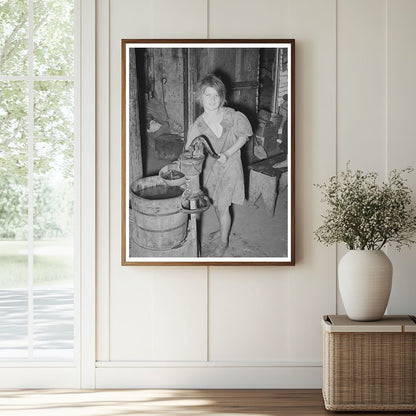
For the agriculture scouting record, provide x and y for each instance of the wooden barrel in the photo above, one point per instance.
(159, 225)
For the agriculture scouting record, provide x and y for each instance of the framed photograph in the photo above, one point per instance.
(208, 173)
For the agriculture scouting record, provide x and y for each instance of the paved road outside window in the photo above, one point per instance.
(53, 324)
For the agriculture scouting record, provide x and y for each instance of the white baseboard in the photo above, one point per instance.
(159, 375)
(209, 377)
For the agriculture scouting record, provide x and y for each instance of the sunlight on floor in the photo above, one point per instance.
(114, 402)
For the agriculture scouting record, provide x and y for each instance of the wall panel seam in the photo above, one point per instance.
(336, 142)
(387, 85)
(207, 313)
(208, 21)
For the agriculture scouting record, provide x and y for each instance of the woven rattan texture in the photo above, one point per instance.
(369, 371)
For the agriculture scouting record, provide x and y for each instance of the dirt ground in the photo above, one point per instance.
(253, 232)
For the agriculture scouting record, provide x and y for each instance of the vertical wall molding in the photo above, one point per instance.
(103, 179)
(208, 22)
(387, 70)
(336, 296)
(207, 313)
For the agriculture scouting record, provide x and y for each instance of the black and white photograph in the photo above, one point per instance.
(208, 152)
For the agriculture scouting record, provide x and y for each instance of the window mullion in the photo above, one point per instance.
(30, 178)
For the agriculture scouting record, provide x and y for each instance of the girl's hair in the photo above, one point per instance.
(213, 82)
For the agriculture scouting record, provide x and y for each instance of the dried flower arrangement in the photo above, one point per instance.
(366, 215)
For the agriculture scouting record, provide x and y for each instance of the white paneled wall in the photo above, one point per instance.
(238, 19)
(256, 311)
(401, 131)
(254, 326)
(311, 283)
(361, 84)
(361, 88)
(165, 315)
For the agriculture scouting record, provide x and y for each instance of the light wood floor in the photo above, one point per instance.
(165, 402)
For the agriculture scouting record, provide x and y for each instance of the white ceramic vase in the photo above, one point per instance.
(364, 278)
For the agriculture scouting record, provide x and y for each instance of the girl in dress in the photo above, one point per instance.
(228, 130)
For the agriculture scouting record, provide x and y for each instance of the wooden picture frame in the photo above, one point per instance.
(168, 213)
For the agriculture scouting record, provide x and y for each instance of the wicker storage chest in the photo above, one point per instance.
(369, 366)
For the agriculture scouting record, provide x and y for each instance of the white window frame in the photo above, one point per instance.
(80, 372)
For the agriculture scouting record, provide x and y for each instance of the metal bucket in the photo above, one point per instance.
(159, 225)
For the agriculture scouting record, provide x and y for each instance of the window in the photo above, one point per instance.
(38, 185)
